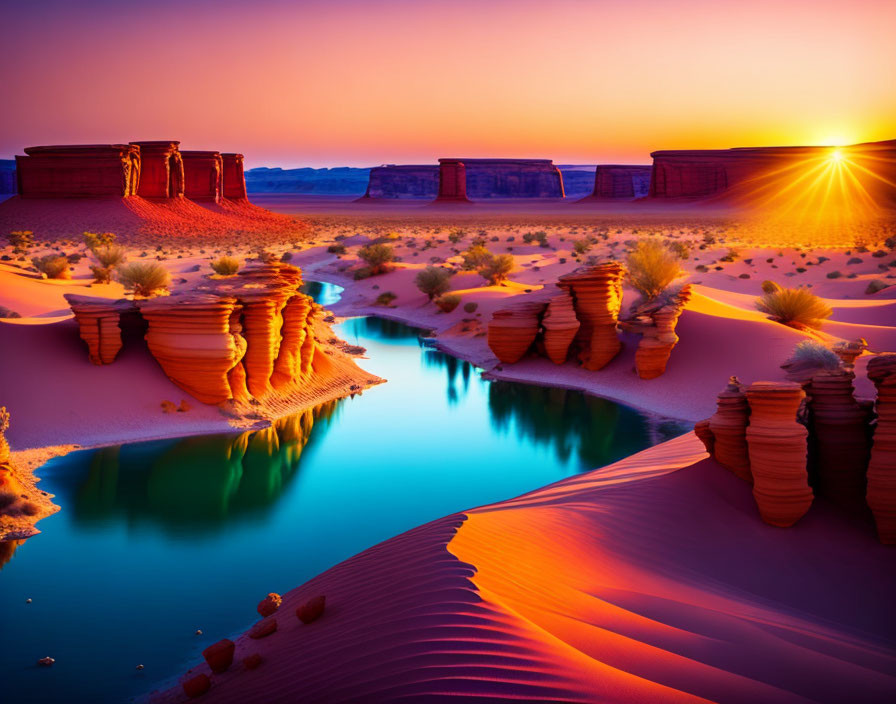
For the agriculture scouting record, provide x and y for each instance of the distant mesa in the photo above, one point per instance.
(621, 182)
(392, 181)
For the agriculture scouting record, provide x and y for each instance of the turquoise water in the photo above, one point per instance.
(156, 540)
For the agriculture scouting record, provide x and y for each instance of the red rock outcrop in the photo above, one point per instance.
(881, 494)
(560, 327)
(597, 296)
(203, 175)
(161, 169)
(452, 181)
(621, 182)
(777, 449)
(197, 685)
(191, 338)
(263, 628)
(79, 171)
(512, 330)
(848, 352)
(656, 324)
(512, 178)
(702, 431)
(234, 186)
(269, 604)
(728, 426)
(99, 323)
(840, 435)
(219, 656)
(312, 609)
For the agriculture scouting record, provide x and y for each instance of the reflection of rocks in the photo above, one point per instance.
(199, 480)
(882, 467)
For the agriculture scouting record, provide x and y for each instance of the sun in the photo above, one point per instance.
(837, 156)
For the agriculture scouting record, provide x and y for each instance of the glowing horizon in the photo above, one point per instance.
(352, 83)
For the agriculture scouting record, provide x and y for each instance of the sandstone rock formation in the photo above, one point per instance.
(512, 330)
(597, 296)
(203, 175)
(848, 352)
(452, 181)
(161, 169)
(234, 186)
(99, 323)
(729, 430)
(312, 609)
(219, 656)
(77, 171)
(269, 604)
(656, 323)
(560, 327)
(777, 450)
(702, 431)
(513, 178)
(197, 685)
(403, 181)
(881, 494)
(621, 182)
(839, 428)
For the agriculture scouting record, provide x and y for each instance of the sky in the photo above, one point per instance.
(357, 83)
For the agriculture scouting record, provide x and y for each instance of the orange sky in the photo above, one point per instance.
(360, 83)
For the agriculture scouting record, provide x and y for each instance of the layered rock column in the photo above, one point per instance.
(560, 327)
(234, 178)
(203, 175)
(729, 430)
(658, 335)
(881, 494)
(597, 294)
(161, 169)
(79, 171)
(452, 181)
(512, 330)
(99, 324)
(777, 449)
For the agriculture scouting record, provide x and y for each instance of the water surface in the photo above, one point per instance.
(156, 540)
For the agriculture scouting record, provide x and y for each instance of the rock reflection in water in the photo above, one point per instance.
(198, 481)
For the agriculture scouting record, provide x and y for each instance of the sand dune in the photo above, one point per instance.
(652, 579)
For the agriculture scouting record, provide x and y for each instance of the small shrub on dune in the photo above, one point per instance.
(101, 274)
(651, 268)
(144, 278)
(769, 286)
(796, 307)
(496, 269)
(448, 302)
(815, 353)
(53, 266)
(336, 249)
(377, 256)
(286, 257)
(475, 257)
(385, 298)
(110, 255)
(433, 281)
(225, 266)
(471, 306)
(94, 240)
(21, 240)
(581, 246)
(679, 249)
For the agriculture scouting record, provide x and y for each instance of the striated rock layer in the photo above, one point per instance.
(621, 181)
(78, 171)
(777, 449)
(729, 430)
(597, 294)
(203, 175)
(161, 169)
(234, 179)
(656, 323)
(99, 323)
(881, 494)
(512, 330)
(560, 327)
(403, 181)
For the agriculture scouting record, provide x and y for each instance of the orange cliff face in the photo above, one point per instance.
(597, 293)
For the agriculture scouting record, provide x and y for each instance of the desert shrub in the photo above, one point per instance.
(475, 257)
(448, 302)
(816, 353)
(21, 240)
(456, 235)
(433, 281)
(7, 313)
(4, 419)
(53, 266)
(98, 239)
(377, 256)
(144, 278)
(363, 273)
(581, 246)
(733, 255)
(385, 298)
(834, 274)
(496, 269)
(679, 249)
(110, 255)
(876, 285)
(471, 307)
(651, 268)
(769, 286)
(101, 274)
(286, 257)
(7, 499)
(797, 307)
(336, 249)
(225, 266)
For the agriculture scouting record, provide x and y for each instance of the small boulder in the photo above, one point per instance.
(269, 604)
(197, 686)
(46, 662)
(220, 655)
(263, 628)
(252, 661)
(311, 610)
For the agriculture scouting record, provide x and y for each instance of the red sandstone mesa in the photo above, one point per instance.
(219, 656)
(621, 182)
(777, 448)
(99, 323)
(312, 609)
(839, 427)
(234, 187)
(560, 327)
(597, 296)
(79, 171)
(656, 323)
(881, 494)
(512, 330)
(269, 604)
(452, 181)
(729, 430)
(402, 181)
(161, 169)
(203, 175)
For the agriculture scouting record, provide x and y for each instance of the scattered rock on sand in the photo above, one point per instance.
(197, 686)
(252, 661)
(220, 655)
(46, 662)
(269, 604)
(311, 610)
(263, 628)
